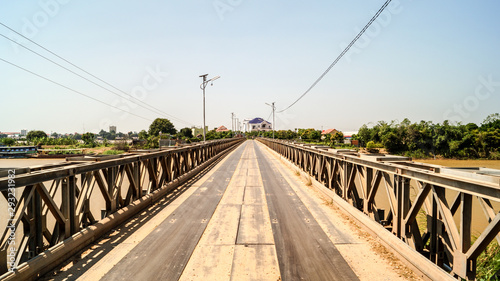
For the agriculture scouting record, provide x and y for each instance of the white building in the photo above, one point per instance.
(257, 124)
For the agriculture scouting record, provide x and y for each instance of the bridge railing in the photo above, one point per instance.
(40, 207)
(448, 217)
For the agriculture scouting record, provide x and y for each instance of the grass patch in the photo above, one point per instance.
(494, 155)
(488, 263)
(308, 181)
(113, 152)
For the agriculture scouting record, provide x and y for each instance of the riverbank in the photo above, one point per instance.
(493, 164)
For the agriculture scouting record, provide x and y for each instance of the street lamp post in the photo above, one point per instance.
(274, 119)
(203, 86)
(232, 124)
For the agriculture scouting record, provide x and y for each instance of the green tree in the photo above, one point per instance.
(186, 132)
(337, 137)
(89, 139)
(35, 135)
(8, 141)
(161, 125)
(492, 121)
(314, 134)
(392, 142)
(153, 141)
(143, 135)
(364, 134)
(285, 134)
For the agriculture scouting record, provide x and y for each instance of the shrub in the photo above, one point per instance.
(8, 141)
(121, 145)
(494, 155)
(113, 152)
(488, 263)
(373, 147)
(417, 154)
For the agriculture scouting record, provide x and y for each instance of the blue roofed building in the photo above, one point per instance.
(257, 124)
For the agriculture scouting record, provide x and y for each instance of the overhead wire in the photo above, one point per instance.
(159, 111)
(73, 90)
(341, 54)
(270, 115)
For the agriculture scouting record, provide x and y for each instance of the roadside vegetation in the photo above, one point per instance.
(426, 139)
(312, 136)
(417, 140)
(488, 263)
(112, 143)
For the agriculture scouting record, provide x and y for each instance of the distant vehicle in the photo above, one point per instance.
(17, 151)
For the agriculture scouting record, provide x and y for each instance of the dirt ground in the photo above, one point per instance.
(96, 150)
(493, 164)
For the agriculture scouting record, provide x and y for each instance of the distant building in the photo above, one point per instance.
(23, 133)
(112, 129)
(329, 132)
(13, 135)
(348, 135)
(198, 131)
(257, 125)
(348, 138)
(222, 129)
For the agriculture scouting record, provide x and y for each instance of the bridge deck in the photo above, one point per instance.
(244, 220)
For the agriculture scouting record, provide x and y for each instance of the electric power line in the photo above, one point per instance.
(341, 54)
(68, 88)
(270, 115)
(88, 73)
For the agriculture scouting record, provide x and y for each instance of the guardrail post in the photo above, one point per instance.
(403, 198)
(436, 250)
(35, 229)
(110, 180)
(136, 170)
(461, 265)
(345, 181)
(68, 206)
(368, 187)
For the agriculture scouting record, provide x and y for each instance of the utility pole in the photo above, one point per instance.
(232, 123)
(274, 119)
(203, 86)
(236, 121)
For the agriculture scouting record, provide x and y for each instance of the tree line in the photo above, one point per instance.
(424, 139)
(159, 128)
(418, 140)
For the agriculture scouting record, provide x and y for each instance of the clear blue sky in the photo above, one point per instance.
(422, 60)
